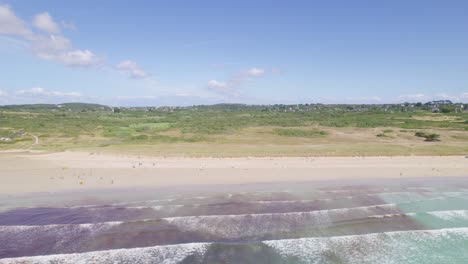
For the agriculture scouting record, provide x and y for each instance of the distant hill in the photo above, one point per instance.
(74, 107)
(435, 106)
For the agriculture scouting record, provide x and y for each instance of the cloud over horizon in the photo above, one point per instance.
(131, 69)
(39, 91)
(232, 85)
(420, 97)
(42, 95)
(49, 43)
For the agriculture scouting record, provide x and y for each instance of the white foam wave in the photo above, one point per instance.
(31, 228)
(289, 201)
(451, 215)
(389, 247)
(171, 254)
(390, 215)
(161, 207)
(237, 226)
(447, 215)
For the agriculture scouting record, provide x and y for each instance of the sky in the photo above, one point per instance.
(153, 53)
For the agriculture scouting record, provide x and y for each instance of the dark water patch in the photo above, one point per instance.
(43, 240)
(80, 215)
(252, 253)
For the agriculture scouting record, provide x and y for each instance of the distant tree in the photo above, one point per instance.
(447, 108)
(419, 104)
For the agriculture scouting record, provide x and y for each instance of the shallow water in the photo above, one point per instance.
(378, 221)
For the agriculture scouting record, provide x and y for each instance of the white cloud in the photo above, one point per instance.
(131, 69)
(3, 93)
(214, 84)
(59, 49)
(40, 92)
(72, 58)
(419, 97)
(44, 22)
(226, 88)
(51, 44)
(445, 96)
(256, 72)
(10, 24)
(232, 85)
(34, 90)
(414, 97)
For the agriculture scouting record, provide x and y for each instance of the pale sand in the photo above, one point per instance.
(36, 172)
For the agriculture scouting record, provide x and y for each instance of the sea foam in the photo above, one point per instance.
(238, 226)
(425, 246)
(159, 254)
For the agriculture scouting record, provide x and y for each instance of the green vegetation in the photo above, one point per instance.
(299, 133)
(428, 137)
(236, 130)
(447, 108)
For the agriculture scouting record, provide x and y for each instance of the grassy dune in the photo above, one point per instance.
(224, 132)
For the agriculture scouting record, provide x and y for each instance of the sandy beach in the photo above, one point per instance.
(23, 172)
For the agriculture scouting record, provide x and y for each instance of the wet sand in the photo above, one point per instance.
(45, 172)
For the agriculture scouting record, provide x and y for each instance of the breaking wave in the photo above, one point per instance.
(425, 246)
(159, 254)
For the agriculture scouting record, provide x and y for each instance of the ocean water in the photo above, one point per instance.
(361, 221)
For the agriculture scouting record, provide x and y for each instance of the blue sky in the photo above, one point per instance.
(203, 52)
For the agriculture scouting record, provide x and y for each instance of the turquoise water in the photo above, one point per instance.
(391, 221)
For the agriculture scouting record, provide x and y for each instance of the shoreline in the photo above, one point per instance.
(23, 172)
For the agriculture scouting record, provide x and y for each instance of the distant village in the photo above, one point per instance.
(440, 106)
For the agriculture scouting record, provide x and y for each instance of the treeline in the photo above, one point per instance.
(443, 106)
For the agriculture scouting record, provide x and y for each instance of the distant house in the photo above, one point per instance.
(435, 105)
